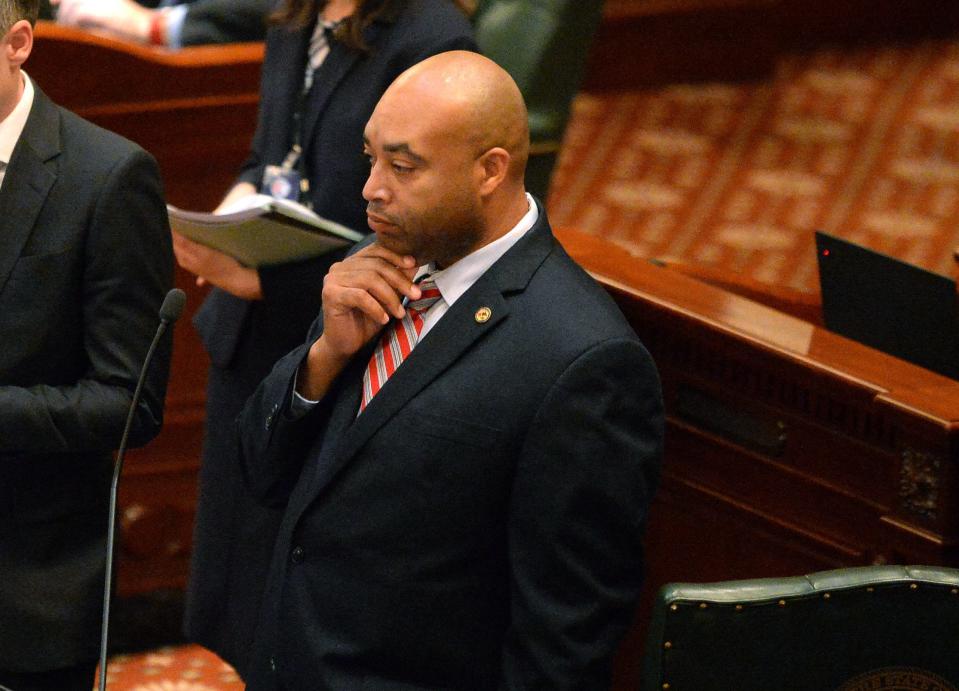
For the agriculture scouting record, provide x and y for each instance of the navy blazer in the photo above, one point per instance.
(85, 262)
(233, 536)
(479, 525)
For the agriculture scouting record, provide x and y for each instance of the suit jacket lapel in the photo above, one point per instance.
(455, 333)
(29, 177)
(446, 342)
(335, 67)
(325, 81)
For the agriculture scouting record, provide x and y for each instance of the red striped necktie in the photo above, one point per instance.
(397, 342)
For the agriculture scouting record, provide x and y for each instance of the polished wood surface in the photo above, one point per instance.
(195, 111)
(789, 449)
(805, 306)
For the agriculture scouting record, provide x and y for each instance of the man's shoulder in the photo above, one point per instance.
(76, 136)
(84, 137)
(563, 302)
(571, 287)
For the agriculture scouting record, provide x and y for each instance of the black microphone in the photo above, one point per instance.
(169, 312)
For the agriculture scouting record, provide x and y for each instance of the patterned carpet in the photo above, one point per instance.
(187, 668)
(863, 144)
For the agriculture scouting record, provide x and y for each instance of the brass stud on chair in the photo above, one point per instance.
(782, 603)
(703, 605)
(739, 608)
(666, 686)
(673, 608)
(826, 596)
(870, 589)
(913, 586)
(954, 591)
(667, 645)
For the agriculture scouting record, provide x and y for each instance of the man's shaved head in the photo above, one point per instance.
(478, 97)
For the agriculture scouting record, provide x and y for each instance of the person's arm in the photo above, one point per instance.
(236, 193)
(200, 22)
(123, 18)
(128, 268)
(583, 486)
(273, 440)
(360, 295)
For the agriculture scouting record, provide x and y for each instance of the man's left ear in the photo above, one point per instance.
(494, 165)
(19, 42)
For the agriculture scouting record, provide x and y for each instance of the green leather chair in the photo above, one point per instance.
(543, 44)
(881, 627)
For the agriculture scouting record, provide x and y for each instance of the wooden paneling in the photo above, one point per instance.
(193, 109)
(651, 42)
(789, 449)
(812, 23)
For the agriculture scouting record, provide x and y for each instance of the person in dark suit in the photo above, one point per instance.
(85, 262)
(252, 318)
(172, 23)
(471, 516)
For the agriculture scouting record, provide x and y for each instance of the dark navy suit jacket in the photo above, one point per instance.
(479, 525)
(234, 536)
(85, 261)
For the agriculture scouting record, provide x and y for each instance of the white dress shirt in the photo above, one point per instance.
(12, 126)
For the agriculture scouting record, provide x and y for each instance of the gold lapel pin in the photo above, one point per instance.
(482, 315)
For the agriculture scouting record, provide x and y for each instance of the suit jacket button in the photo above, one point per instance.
(296, 556)
(271, 418)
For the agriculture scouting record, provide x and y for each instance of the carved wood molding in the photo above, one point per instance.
(920, 480)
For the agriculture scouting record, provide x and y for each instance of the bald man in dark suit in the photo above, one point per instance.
(467, 445)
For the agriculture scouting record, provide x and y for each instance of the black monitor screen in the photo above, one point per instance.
(893, 306)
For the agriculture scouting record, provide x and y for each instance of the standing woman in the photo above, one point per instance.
(327, 63)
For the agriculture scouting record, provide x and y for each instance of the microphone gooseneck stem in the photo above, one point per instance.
(114, 485)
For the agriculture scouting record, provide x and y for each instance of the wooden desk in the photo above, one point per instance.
(195, 111)
(789, 449)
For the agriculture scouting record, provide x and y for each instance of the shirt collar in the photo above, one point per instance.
(12, 127)
(456, 279)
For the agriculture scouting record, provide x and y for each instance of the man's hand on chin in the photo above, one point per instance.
(360, 296)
